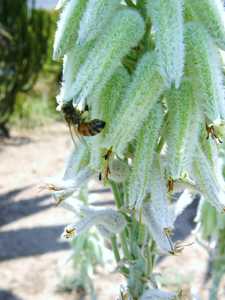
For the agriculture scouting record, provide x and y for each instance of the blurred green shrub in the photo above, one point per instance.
(23, 52)
(87, 254)
(37, 106)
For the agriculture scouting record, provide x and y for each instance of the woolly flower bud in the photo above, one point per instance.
(183, 128)
(113, 222)
(142, 93)
(96, 17)
(123, 33)
(153, 294)
(158, 191)
(204, 70)
(157, 215)
(60, 4)
(104, 108)
(143, 157)
(71, 64)
(209, 146)
(156, 230)
(67, 28)
(211, 14)
(167, 20)
(78, 160)
(119, 170)
(206, 181)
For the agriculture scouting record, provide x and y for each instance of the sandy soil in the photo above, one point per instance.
(30, 225)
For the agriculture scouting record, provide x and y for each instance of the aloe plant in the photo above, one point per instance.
(152, 71)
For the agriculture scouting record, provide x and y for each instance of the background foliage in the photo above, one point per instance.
(24, 50)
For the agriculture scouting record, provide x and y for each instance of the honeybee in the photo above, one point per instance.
(77, 124)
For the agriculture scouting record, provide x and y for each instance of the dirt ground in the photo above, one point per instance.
(31, 254)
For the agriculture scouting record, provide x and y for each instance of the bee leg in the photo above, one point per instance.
(207, 130)
(108, 172)
(108, 154)
(107, 157)
(80, 138)
(170, 184)
(71, 134)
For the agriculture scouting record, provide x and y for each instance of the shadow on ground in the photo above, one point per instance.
(30, 242)
(26, 241)
(15, 141)
(11, 211)
(9, 196)
(7, 295)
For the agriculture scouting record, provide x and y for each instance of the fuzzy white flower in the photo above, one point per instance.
(97, 16)
(211, 14)
(144, 155)
(142, 94)
(123, 33)
(109, 220)
(67, 28)
(63, 188)
(206, 181)
(167, 21)
(203, 68)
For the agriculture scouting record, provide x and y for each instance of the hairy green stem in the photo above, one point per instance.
(124, 246)
(119, 202)
(115, 249)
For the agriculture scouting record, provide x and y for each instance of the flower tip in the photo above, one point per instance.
(46, 186)
(179, 246)
(69, 232)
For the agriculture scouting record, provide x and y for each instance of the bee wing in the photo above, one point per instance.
(76, 135)
(73, 133)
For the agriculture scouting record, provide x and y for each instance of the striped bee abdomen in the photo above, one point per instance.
(91, 128)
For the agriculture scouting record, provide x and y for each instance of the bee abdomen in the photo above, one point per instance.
(91, 128)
